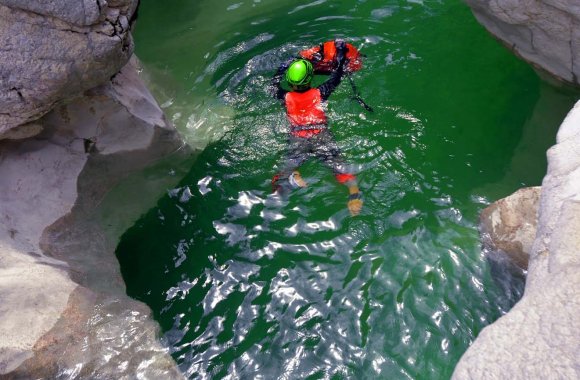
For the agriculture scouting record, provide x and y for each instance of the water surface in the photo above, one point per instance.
(248, 285)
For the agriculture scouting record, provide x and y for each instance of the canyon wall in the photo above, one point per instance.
(76, 122)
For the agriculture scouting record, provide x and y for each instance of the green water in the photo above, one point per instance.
(248, 285)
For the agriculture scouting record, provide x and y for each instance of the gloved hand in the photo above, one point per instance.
(341, 49)
(317, 57)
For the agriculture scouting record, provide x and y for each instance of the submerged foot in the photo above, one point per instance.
(355, 206)
(355, 202)
(296, 180)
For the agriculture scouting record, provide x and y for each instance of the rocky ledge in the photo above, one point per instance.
(540, 337)
(64, 308)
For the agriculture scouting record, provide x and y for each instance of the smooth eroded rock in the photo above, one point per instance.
(64, 307)
(545, 33)
(540, 337)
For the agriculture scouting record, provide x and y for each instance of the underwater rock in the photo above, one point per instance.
(54, 50)
(539, 338)
(509, 225)
(545, 33)
(65, 313)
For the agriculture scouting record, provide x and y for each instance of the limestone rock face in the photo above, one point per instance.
(55, 50)
(545, 33)
(540, 337)
(64, 308)
(509, 225)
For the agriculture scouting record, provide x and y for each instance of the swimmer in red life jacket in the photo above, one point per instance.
(309, 133)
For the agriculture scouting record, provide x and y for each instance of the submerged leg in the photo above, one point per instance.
(328, 152)
(289, 176)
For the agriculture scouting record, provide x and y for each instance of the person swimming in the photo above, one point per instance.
(309, 134)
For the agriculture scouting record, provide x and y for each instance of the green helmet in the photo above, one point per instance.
(300, 73)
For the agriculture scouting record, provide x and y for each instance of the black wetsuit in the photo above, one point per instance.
(309, 135)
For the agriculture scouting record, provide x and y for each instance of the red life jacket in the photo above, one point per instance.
(327, 51)
(305, 108)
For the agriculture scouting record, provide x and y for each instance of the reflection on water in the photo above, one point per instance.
(247, 284)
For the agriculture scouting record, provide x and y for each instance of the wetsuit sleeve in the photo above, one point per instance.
(276, 88)
(332, 83)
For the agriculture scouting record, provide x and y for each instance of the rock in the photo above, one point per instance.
(77, 12)
(545, 33)
(99, 337)
(540, 337)
(509, 225)
(23, 131)
(64, 307)
(27, 286)
(56, 50)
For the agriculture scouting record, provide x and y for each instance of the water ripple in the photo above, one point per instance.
(249, 284)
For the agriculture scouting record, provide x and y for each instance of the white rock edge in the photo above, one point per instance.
(540, 337)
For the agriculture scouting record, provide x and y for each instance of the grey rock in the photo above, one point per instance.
(78, 12)
(64, 308)
(545, 33)
(540, 337)
(45, 60)
(509, 225)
